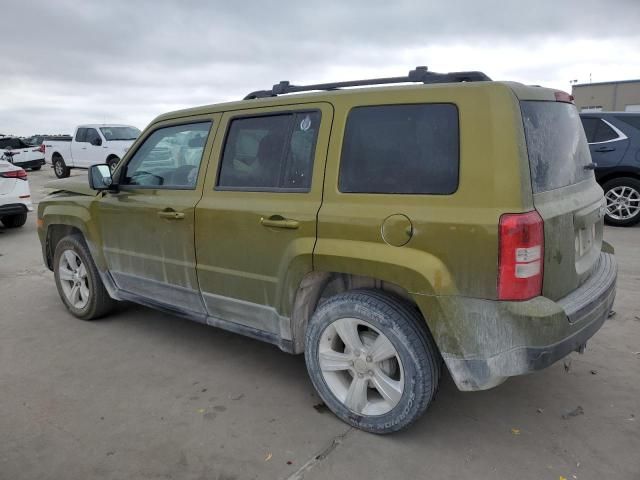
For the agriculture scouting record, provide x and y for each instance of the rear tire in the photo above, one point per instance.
(78, 281)
(60, 168)
(35, 169)
(389, 383)
(14, 221)
(623, 201)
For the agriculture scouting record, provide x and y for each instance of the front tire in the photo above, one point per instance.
(60, 168)
(14, 221)
(372, 360)
(78, 280)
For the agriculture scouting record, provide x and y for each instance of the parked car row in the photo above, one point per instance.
(89, 145)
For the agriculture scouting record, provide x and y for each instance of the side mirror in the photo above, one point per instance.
(96, 142)
(100, 177)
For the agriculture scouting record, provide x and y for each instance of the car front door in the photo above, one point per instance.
(256, 222)
(147, 226)
(95, 152)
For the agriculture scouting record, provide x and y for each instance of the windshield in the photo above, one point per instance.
(558, 149)
(120, 133)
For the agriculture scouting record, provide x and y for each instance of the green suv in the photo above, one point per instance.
(381, 231)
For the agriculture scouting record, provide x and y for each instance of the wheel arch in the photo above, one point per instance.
(318, 285)
(55, 233)
(635, 174)
(63, 220)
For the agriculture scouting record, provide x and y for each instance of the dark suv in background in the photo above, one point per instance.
(614, 141)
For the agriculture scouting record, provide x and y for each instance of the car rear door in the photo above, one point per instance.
(78, 149)
(256, 222)
(565, 194)
(147, 226)
(607, 143)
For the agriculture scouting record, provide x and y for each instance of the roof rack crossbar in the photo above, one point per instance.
(418, 75)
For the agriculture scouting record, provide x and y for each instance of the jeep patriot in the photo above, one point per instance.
(382, 227)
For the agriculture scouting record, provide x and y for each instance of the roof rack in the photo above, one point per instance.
(418, 75)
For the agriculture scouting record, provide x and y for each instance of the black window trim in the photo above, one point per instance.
(123, 169)
(455, 105)
(242, 116)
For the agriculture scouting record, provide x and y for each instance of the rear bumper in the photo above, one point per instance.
(515, 338)
(30, 163)
(13, 209)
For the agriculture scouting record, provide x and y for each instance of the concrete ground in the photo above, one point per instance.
(144, 395)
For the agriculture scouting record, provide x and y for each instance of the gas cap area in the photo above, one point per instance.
(397, 230)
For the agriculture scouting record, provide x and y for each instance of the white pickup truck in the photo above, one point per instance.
(90, 145)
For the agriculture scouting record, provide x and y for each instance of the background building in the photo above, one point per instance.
(622, 96)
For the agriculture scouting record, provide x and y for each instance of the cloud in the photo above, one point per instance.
(69, 62)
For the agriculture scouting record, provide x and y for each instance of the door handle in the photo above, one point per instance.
(279, 222)
(605, 149)
(171, 214)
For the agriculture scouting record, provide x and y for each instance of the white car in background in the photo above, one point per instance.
(90, 145)
(20, 153)
(15, 196)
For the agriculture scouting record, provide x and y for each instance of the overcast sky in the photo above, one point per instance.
(70, 62)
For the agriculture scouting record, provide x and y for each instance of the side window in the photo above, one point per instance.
(272, 152)
(604, 132)
(91, 135)
(633, 120)
(169, 158)
(411, 149)
(81, 134)
(590, 124)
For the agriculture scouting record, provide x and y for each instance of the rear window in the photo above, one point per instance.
(556, 143)
(409, 149)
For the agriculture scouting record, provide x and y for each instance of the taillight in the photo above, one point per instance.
(19, 174)
(521, 254)
(41, 148)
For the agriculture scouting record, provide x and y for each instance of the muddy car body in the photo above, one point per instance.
(377, 230)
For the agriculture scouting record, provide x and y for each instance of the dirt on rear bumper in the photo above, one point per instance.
(483, 342)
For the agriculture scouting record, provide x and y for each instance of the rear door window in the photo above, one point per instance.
(81, 135)
(270, 152)
(597, 130)
(405, 149)
(556, 144)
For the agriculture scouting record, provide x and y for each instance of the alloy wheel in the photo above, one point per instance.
(74, 279)
(361, 366)
(623, 202)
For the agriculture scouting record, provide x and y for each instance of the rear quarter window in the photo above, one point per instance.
(405, 149)
(556, 144)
